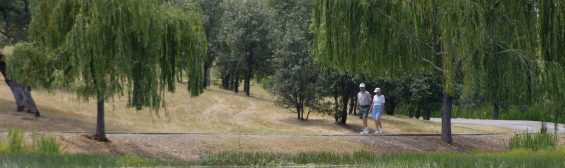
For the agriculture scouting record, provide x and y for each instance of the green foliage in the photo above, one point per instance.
(534, 141)
(502, 50)
(440, 159)
(103, 48)
(246, 36)
(30, 57)
(294, 82)
(45, 144)
(14, 17)
(15, 141)
(534, 112)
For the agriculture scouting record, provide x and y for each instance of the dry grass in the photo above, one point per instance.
(216, 110)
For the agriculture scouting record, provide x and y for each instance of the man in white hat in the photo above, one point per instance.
(363, 104)
(377, 109)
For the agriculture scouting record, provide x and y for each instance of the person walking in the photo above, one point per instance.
(377, 108)
(363, 104)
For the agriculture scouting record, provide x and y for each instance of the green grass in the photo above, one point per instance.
(45, 144)
(534, 141)
(76, 160)
(521, 158)
(15, 141)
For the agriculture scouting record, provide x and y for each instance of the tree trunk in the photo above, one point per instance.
(236, 84)
(246, 84)
(336, 109)
(427, 114)
(100, 125)
(22, 94)
(352, 109)
(206, 74)
(495, 110)
(446, 118)
(344, 100)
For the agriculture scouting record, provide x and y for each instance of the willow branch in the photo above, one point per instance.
(407, 33)
(432, 64)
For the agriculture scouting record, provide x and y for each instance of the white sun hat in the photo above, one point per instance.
(377, 90)
(362, 85)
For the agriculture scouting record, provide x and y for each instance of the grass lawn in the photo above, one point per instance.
(75, 160)
(524, 158)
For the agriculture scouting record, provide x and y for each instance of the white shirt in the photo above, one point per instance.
(364, 99)
(379, 100)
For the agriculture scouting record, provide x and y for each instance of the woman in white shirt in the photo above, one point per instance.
(377, 108)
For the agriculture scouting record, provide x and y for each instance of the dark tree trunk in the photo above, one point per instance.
(236, 83)
(427, 114)
(298, 112)
(100, 125)
(336, 109)
(344, 100)
(22, 94)
(446, 118)
(207, 74)
(246, 82)
(495, 110)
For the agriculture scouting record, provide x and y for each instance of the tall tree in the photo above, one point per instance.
(104, 48)
(14, 20)
(294, 82)
(246, 34)
(212, 14)
(375, 37)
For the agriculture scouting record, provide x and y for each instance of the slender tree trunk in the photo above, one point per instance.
(344, 100)
(100, 134)
(207, 74)
(100, 125)
(22, 94)
(236, 83)
(446, 118)
(495, 110)
(247, 80)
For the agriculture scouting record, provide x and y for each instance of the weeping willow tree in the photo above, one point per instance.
(488, 47)
(552, 54)
(104, 48)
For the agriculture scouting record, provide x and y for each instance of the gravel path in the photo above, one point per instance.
(516, 125)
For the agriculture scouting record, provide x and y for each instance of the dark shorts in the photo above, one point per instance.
(363, 112)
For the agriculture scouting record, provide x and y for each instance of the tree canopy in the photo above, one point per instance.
(104, 48)
(491, 47)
